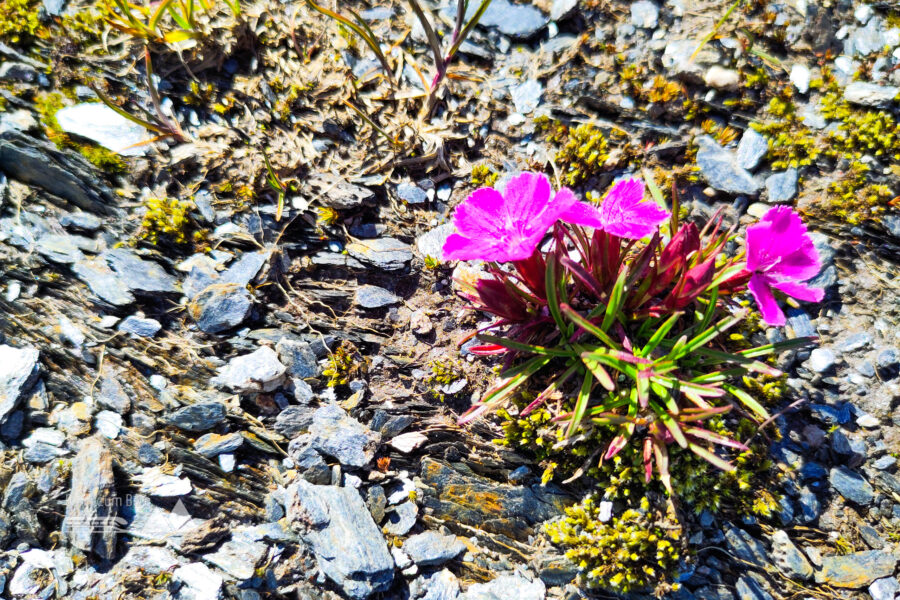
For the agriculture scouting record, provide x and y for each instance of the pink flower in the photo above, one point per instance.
(624, 213)
(509, 227)
(781, 255)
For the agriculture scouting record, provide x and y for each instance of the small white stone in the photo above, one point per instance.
(108, 423)
(407, 442)
(400, 557)
(845, 65)
(13, 291)
(644, 14)
(800, 77)
(202, 583)
(605, 511)
(156, 483)
(863, 13)
(226, 461)
(108, 322)
(101, 124)
(722, 78)
(868, 421)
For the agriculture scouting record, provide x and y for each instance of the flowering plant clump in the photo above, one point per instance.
(619, 320)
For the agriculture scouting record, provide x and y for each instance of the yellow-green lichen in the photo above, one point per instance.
(169, 219)
(583, 155)
(442, 374)
(791, 143)
(483, 175)
(19, 20)
(344, 364)
(742, 491)
(634, 550)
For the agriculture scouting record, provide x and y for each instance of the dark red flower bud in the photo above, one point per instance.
(496, 298)
(694, 283)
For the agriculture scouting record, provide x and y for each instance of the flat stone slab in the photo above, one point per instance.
(336, 525)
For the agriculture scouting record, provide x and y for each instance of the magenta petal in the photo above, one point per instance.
(758, 238)
(785, 222)
(482, 214)
(765, 299)
(459, 247)
(625, 214)
(526, 198)
(801, 264)
(800, 291)
(579, 213)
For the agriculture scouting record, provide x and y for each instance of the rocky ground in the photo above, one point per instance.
(204, 394)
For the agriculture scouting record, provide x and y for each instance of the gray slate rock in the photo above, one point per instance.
(751, 149)
(788, 558)
(198, 417)
(19, 370)
(293, 421)
(748, 588)
(339, 193)
(884, 589)
(80, 221)
(401, 519)
(442, 585)
(891, 223)
(312, 465)
(103, 281)
(336, 525)
(138, 274)
(856, 341)
(246, 268)
(16, 490)
(527, 96)
(782, 187)
(259, 371)
(213, 444)
(64, 174)
(221, 307)
(856, 570)
(112, 395)
(810, 507)
(430, 548)
(562, 8)
(54, 7)
(239, 555)
(410, 192)
(745, 547)
(139, 326)
(59, 249)
(101, 124)
(852, 486)
(18, 72)
(720, 169)
(513, 510)
(871, 94)
(372, 296)
(90, 521)
(298, 357)
(388, 253)
(335, 433)
(678, 59)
